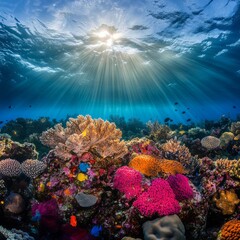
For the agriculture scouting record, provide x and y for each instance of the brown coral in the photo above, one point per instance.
(146, 164)
(210, 142)
(158, 132)
(235, 170)
(225, 138)
(151, 166)
(230, 230)
(10, 167)
(227, 201)
(32, 168)
(235, 128)
(85, 134)
(175, 151)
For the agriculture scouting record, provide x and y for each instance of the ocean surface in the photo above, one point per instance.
(137, 59)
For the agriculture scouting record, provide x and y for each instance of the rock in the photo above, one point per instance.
(86, 200)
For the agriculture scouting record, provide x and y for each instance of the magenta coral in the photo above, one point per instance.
(158, 199)
(128, 181)
(180, 186)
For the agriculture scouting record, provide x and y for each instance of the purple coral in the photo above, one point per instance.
(180, 186)
(128, 181)
(159, 198)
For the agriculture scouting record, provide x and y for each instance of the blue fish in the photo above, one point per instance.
(36, 217)
(96, 230)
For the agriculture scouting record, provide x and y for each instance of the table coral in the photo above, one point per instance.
(226, 201)
(210, 142)
(85, 134)
(230, 230)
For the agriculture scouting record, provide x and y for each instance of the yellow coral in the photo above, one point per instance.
(227, 201)
(235, 169)
(230, 230)
(146, 165)
(225, 138)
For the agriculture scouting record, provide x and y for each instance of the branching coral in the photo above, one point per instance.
(235, 128)
(227, 201)
(158, 199)
(158, 132)
(85, 134)
(210, 142)
(230, 230)
(173, 150)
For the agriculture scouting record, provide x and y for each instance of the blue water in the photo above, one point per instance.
(144, 59)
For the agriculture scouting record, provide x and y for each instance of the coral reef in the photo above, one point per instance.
(15, 150)
(230, 230)
(158, 132)
(85, 134)
(226, 200)
(168, 228)
(210, 142)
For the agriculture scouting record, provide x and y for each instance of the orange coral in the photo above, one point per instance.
(227, 201)
(230, 230)
(171, 167)
(146, 165)
(151, 166)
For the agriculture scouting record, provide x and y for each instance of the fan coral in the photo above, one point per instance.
(180, 186)
(175, 151)
(10, 167)
(167, 227)
(128, 181)
(85, 134)
(146, 165)
(210, 142)
(227, 201)
(171, 167)
(158, 199)
(32, 168)
(230, 230)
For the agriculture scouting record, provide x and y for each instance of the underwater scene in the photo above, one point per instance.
(119, 120)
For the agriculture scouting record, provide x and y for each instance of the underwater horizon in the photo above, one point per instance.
(148, 60)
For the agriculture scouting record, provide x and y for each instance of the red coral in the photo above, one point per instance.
(180, 186)
(128, 181)
(159, 198)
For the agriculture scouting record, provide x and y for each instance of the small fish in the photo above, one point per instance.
(73, 221)
(182, 132)
(176, 103)
(84, 133)
(95, 231)
(1, 122)
(30, 106)
(175, 110)
(188, 108)
(37, 216)
(9, 106)
(167, 119)
(183, 112)
(234, 107)
(189, 119)
(171, 120)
